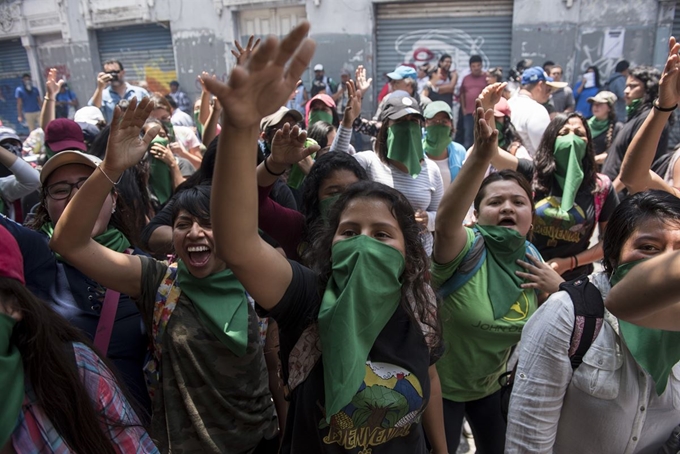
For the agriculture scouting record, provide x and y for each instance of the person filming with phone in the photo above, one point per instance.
(111, 88)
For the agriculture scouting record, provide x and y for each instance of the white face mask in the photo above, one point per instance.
(28, 85)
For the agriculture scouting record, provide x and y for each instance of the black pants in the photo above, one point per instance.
(268, 446)
(486, 422)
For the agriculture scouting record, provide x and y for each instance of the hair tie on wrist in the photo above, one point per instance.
(269, 170)
(656, 105)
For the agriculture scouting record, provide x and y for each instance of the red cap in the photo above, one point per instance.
(11, 260)
(502, 108)
(64, 134)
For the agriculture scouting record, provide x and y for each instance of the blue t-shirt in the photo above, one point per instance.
(582, 105)
(111, 98)
(28, 98)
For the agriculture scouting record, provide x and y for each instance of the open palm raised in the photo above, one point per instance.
(266, 80)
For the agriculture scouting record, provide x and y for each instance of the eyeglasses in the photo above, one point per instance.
(61, 191)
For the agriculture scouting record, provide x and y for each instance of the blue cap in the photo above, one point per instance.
(535, 74)
(402, 72)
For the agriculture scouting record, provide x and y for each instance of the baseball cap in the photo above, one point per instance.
(399, 106)
(8, 133)
(604, 97)
(402, 72)
(65, 158)
(435, 107)
(536, 74)
(64, 134)
(11, 259)
(88, 114)
(502, 109)
(275, 118)
(318, 67)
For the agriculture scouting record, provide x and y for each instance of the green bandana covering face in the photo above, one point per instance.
(654, 349)
(437, 138)
(199, 125)
(221, 303)
(160, 178)
(11, 380)
(501, 138)
(504, 247)
(296, 175)
(569, 152)
(112, 238)
(404, 145)
(362, 294)
(48, 152)
(325, 206)
(633, 106)
(597, 127)
(316, 116)
(170, 128)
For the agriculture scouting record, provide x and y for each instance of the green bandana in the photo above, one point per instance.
(170, 128)
(325, 206)
(597, 127)
(654, 349)
(48, 152)
(221, 303)
(11, 380)
(633, 107)
(316, 116)
(160, 178)
(2, 206)
(501, 138)
(362, 294)
(199, 125)
(437, 138)
(404, 144)
(112, 238)
(296, 175)
(504, 247)
(569, 152)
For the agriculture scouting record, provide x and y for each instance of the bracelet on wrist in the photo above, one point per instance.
(266, 167)
(576, 262)
(656, 105)
(115, 183)
(47, 98)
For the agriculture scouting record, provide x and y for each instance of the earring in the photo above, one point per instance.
(113, 210)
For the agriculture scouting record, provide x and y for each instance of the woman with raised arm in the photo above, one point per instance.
(210, 382)
(636, 173)
(487, 294)
(358, 330)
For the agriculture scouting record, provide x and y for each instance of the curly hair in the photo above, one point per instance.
(649, 76)
(544, 161)
(416, 295)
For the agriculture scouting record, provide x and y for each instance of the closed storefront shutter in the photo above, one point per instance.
(676, 21)
(145, 51)
(420, 32)
(13, 63)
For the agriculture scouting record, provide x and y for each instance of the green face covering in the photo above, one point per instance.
(221, 303)
(296, 175)
(437, 138)
(199, 125)
(404, 144)
(171, 130)
(653, 349)
(316, 116)
(502, 142)
(112, 238)
(326, 204)
(160, 178)
(569, 152)
(632, 107)
(504, 247)
(597, 127)
(362, 294)
(11, 380)
(48, 152)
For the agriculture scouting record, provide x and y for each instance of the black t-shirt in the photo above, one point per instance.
(385, 415)
(600, 142)
(554, 237)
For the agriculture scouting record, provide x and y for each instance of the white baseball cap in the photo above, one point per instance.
(318, 67)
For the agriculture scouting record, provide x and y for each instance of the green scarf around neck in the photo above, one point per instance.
(160, 177)
(504, 247)
(597, 127)
(316, 116)
(437, 139)
(221, 303)
(633, 107)
(404, 145)
(112, 238)
(361, 296)
(570, 150)
(654, 349)
(11, 380)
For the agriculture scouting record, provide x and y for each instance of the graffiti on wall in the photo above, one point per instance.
(603, 49)
(426, 46)
(10, 13)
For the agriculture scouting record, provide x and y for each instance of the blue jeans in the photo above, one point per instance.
(468, 130)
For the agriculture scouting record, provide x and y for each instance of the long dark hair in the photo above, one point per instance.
(649, 77)
(416, 296)
(319, 132)
(544, 161)
(597, 75)
(41, 337)
(504, 175)
(630, 214)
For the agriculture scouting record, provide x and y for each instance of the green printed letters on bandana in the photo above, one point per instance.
(112, 238)
(404, 144)
(569, 152)
(597, 127)
(221, 303)
(361, 296)
(326, 204)
(316, 116)
(504, 247)
(11, 380)
(654, 349)
(633, 106)
(160, 177)
(437, 138)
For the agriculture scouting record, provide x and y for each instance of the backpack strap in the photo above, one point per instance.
(588, 317)
(472, 262)
(302, 359)
(604, 185)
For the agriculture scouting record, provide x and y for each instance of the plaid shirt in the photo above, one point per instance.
(34, 433)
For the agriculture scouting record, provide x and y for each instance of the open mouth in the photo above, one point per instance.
(507, 222)
(198, 255)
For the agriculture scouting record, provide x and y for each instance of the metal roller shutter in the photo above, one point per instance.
(146, 53)
(421, 32)
(676, 21)
(13, 63)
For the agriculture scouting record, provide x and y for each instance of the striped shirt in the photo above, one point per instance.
(34, 433)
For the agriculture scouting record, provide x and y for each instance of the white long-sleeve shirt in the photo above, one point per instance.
(24, 180)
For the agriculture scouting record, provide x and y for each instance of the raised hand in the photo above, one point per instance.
(125, 148)
(52, 86)
(540, 275)
(669, 85)
(491, 95)
(486, 136)
(244, 54)
(353, 108)
(163, 153)
(265, 82)
(362, 85)
(103, 79)
(288, 146)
